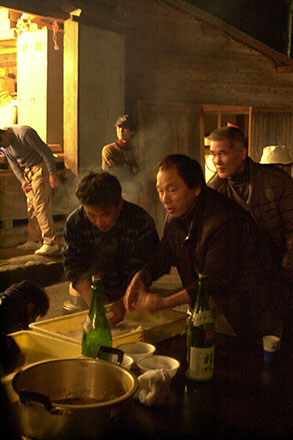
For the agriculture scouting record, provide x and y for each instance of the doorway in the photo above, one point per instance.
(31, 67)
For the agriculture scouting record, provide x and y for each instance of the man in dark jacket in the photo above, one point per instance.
(264, 190)
(21, 304)
(206, 232)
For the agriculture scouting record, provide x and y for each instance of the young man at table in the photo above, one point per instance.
(106, 235)
(122, 159)
(205, 232)
(263, 190)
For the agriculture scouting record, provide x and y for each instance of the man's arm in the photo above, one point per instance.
(85, 290)
(118, 308)
(286, 212)
(35, 142)
(107, 158)
(16, 169)
(153, 302)
(138, 284)
(142, 279)
(138, 298)
(77, 253)
(18, 172)
(141, 246)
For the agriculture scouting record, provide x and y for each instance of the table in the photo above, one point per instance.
(246, 398)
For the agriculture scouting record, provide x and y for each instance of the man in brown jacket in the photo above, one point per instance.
(121, 159)
(263, 190)
(205, 232)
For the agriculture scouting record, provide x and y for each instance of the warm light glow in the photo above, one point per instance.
(76, 12)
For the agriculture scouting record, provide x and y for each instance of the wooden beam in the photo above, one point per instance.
(250, 130)
(201, 140)
(169, 105)
(97, 20)
(215, 108)
(42, 8)
(272, 110)
(284, 69)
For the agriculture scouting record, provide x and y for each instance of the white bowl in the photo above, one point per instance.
(156, 362)
(137, 350)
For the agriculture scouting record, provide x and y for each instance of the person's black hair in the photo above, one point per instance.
(33, 293)
(126, 121)
(99, 188)
(188, 169)
(1, 132)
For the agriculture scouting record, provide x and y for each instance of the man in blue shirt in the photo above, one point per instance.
(32, 162)
(106, 235)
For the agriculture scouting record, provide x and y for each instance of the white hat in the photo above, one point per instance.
(276, 154)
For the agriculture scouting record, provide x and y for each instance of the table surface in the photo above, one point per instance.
(246, 397)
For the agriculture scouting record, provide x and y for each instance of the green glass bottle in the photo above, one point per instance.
(96, 329)
(201, 337)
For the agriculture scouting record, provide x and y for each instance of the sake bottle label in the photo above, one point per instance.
(88, 325)
(204, 317)
(202, 363)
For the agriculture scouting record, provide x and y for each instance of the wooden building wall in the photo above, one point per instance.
(176, 60)
(173, 57)
(271, 128)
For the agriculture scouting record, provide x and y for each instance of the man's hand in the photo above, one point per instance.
(110, 163)
(116, 312)
(53, 180)
(138, 298)
(25, 186)
(135, 286)
(146, 301)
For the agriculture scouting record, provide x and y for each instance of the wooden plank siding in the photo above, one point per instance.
(173, 57)
(167, 128)
(271, 128)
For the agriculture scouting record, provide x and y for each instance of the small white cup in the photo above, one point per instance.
(137, 350)
(155, 362)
